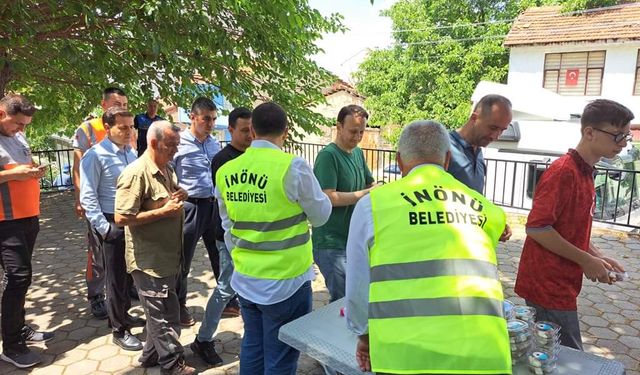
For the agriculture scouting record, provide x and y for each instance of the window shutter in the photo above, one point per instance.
(552, 61)
(551, 80)
(560, 71)
(594, 82)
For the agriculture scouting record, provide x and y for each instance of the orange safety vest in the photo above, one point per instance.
(94, 130)
(19, 199)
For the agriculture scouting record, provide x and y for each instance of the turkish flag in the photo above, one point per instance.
(571, 79)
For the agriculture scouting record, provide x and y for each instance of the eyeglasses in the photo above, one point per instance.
(617, 138)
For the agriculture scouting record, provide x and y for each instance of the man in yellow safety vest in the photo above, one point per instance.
(267, 200)
(423, 292)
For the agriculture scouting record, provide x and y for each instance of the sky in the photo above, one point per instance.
(367, 30)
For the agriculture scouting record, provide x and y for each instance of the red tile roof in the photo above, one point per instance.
(341, 85)
(546, 25)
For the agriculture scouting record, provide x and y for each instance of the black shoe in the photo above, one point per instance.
(180, 368)
(99, 307)
(127, 341)
(133, 293)
(152, 361)
(185, 317)
(207, 351)
(22, 359)
(134, 321)
(31, 336)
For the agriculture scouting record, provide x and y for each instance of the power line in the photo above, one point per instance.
(453, 26)
(440, 41)
(551, 31)
(573, 28)
(528, 18)
(354, 55)
(492, 37)
(537, 17)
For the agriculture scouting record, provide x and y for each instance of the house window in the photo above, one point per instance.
(636, 87)
(574, 73)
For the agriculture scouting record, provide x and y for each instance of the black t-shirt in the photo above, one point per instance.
(226, 154)
(142, 122)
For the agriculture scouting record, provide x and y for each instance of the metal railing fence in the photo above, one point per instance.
(508, 183)
(58, 173)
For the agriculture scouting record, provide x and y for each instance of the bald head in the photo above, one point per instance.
(490, 117)
(158, 129)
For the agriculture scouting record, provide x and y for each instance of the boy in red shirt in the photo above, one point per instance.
(558, 249)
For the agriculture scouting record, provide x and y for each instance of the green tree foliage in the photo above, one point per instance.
(61, 54)
(576, 5)
(442, 50)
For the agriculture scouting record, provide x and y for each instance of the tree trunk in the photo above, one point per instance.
(5, 73)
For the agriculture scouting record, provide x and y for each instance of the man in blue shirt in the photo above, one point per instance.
(100, 168)
(223, 295)
(88, 134)
(193, 168)
(490, 117)
(143, 121)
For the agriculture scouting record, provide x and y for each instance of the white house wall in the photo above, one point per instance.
(526, 67)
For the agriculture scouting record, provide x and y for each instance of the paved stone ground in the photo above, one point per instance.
(610, 314)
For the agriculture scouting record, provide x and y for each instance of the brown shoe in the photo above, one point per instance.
(180, 368)
(231, 312)
(185, 317)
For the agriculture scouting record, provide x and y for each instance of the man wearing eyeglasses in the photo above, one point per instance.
(558, 249)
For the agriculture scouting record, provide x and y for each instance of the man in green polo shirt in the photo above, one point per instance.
(345, 177)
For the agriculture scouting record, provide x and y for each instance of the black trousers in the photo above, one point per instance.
(198, 214)
(118, 281)
(94, 274)
(162, 310)
(17, 240)
(209, 239)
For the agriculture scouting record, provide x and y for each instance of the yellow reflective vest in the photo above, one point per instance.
(435, 299)
(270, 233)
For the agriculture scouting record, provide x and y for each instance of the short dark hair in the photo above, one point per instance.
(601, 112)
(353, 110)
(269, 119)
(240, 112)
(106, 93)
(202, 104)
(109, 116)
(14, 104)
(488, 101)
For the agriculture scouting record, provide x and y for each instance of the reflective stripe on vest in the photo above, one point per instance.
(433, 268)
(271, 226)
(270, 233)
(435, 299)
(298, 240)
(19, 199)
(435, 307)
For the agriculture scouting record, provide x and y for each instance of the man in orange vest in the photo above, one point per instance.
(19, 226)
(90, 133)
